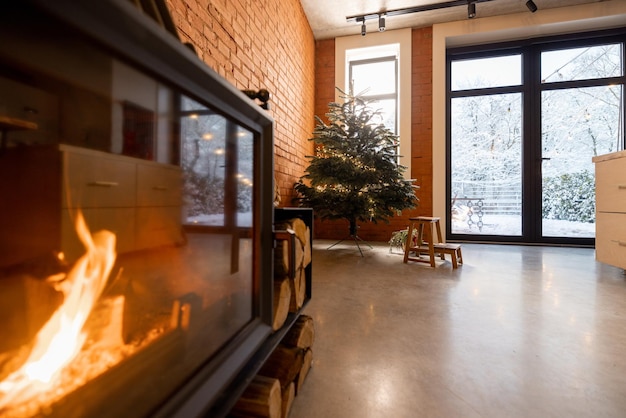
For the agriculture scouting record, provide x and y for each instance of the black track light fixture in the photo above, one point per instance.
(471, 9)
(381, 15)
(363, 27)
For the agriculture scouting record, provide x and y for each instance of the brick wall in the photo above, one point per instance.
(422, 117)
(267, 44)
(421, 133)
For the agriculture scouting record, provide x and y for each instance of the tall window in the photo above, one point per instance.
(377, 79)
(381, 66)
(524, 122)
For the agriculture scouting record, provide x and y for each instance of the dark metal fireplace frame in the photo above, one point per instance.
(133, 37)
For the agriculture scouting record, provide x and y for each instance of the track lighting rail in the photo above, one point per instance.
(471, 4)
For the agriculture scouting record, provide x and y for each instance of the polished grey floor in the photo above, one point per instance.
(517, 331)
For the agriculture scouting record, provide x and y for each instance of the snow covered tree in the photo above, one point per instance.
(355, 174)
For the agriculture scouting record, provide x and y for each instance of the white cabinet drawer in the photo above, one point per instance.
(611, 186)
(158, 186)
(611, 238)
(91, 181)
(158, 226)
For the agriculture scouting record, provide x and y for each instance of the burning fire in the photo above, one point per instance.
(61, 338)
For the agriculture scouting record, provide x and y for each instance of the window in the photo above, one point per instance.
(367, 50)
(377, 79)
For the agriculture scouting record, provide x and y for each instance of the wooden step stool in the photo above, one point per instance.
(425, 243)
(453, 249)
(426, 228)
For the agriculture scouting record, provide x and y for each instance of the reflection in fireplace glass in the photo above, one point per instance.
(127, 231)
(208, 139)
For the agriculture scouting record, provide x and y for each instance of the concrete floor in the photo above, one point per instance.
(515, 332)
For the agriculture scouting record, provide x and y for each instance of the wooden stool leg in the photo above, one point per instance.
(409, 243)
(439, 238)
(431, 245)
(459, 255)
(454, 260)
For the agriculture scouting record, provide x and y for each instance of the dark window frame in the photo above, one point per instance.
(531, 89)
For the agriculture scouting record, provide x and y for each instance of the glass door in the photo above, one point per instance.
(486, 175)
(581, 117)
(486, 146)
(524, 124)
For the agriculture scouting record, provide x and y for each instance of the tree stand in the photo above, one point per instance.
(354, 237)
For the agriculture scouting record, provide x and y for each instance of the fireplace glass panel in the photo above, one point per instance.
(128, 241)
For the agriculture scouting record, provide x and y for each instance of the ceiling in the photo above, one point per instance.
(328, 17)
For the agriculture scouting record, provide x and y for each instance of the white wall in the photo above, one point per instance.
(594, 16)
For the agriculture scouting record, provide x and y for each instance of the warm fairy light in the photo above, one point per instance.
(207, 136)
(61, 338)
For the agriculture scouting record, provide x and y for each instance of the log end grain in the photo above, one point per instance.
(262, 398)
(282, 301)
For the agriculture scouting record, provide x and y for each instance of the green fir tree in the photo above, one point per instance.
(355, 174)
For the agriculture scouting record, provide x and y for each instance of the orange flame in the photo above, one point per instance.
(61, 339)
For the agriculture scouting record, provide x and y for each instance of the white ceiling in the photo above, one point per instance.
(328, 17)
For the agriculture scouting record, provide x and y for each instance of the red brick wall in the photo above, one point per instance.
(267, 44)
(422, 117)
(421, 136)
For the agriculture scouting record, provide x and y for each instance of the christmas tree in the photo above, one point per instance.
(355, 173)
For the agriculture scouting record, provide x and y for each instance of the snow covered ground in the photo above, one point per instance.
(243, 219)
(512, 225)
(492, 225)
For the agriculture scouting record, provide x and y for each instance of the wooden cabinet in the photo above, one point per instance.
(140, 201)
(611, 208)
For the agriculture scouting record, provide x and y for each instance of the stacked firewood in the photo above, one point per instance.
(274, 388)
(290, 286)
(279, 380)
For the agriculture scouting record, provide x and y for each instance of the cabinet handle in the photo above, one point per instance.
(103, 183)
(622, 187)
(618, 242)
(160, 188)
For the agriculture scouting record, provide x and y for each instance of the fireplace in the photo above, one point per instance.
(136, 216)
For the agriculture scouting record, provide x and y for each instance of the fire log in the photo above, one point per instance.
(283, 364)
(307, 361)
(289, 395)
(262, 398)
(298, 290)
(281, 255)
(282, 300)
(301, 334)
(307, 247)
